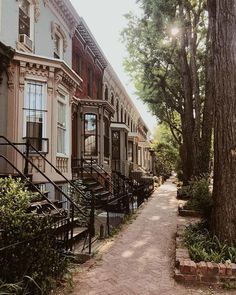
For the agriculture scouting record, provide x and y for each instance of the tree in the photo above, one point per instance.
(170, 63)
(223, 14)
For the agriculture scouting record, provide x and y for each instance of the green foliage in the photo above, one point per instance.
(27, 245)
(166, 151)
(200, 196)
(203, 246)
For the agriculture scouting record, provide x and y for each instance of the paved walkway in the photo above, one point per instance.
(140, 260)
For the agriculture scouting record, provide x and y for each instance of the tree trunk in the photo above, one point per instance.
(224, 191)
(208, 109)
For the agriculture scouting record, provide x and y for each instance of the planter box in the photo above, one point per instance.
(187, 212)
(209, 273)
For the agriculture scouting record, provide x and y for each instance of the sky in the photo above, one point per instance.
(105, 19)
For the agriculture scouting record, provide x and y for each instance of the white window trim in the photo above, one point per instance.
(67, 139)
(34, 17)
(57, 30)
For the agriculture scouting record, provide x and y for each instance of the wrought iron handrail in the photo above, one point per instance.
(27, 159)
(30, 182)
(79, 164)
(78, 190)
(106, 179)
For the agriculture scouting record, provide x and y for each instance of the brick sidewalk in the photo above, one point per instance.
(140, 260)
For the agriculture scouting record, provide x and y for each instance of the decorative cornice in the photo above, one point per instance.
(86, 37)
(55, 72)
(67, 13)
(97, 103)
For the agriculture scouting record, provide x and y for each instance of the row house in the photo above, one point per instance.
(59, 93)
(91, 122)
(38, 102)
(130, 145)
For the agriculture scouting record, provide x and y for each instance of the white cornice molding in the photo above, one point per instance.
(67, 13)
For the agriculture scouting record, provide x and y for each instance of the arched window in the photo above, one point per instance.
(117, 111)
(121, 115)
(125, 117)
(128, 120)
(90, 135)
(106, 93)
(112, 98)
(106, 130)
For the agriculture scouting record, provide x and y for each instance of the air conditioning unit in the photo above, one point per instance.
(26, 41)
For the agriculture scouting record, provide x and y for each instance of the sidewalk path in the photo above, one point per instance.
(140, 260)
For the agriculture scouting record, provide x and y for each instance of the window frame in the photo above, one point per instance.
(95, 133)
(64, 101)
(106, 137)
(33, 17)
(44, 110)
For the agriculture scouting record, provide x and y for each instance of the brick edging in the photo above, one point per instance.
(186, 270)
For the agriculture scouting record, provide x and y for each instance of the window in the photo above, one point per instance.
(112, 99)
(99, 89)
(78, 64)
(90, 82)
(35, 114)
(29, 11)
(115, 145)
(117, 111)
(106, 128)
(61, 124)
(60, 196)
(125, 117)
(126, 146)
(59, 41)
(90, 135)
(130, 151)
(121, 115)
(24, 17)
(106, 93)
(58, 46)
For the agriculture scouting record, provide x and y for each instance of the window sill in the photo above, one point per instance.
(62, 156)
(20, 46)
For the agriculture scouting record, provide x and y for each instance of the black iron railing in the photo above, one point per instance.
(26, 156)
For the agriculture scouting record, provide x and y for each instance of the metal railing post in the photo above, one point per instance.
(26, 168)
(91, 222)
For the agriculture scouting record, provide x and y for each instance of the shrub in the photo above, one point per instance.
(203, 246)
(28, 251)
(200, 196)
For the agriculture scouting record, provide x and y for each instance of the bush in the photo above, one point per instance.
(200, 196)
(203, 246)
(28, 252)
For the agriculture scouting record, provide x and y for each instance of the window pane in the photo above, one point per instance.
(90, 137)
(106, 130)
(116, 145)
(34, 113)
(61, 127)
(24, 17)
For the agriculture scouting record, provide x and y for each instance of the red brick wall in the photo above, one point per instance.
(86, 61)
